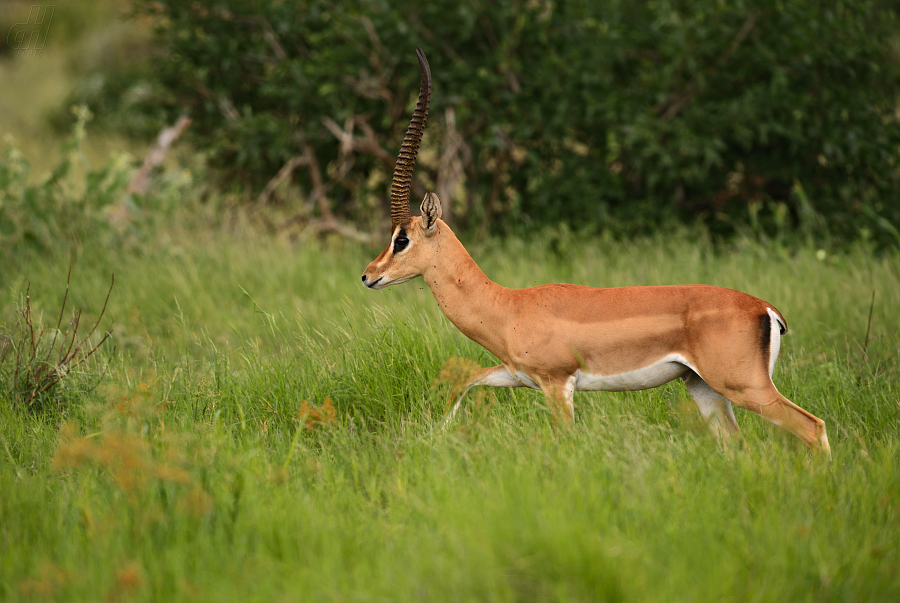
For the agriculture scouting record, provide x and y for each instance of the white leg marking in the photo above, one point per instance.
(568, 393)
(774, 339)
(715, 408)
(561, 399)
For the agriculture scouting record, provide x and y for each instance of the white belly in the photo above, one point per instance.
(653, 375)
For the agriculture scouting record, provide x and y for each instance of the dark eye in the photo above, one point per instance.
(400, 244)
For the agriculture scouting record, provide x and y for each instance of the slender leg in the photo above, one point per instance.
(768, 402)
(560, 393)
(495, 376)
(715, 408)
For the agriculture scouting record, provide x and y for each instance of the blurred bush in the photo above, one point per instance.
(621, 114)
(77, 206)
(62, 211)
(117, 83)
(110, 65)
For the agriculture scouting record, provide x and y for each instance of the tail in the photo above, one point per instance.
(778, 317)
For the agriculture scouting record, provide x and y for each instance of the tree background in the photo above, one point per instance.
(621, 116)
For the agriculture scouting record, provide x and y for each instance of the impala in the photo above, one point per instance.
(563, 338)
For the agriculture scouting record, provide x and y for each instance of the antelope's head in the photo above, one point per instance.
(412, 238)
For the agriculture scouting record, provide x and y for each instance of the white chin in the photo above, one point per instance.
(385, 283)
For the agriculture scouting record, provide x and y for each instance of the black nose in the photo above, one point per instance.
(364, 278)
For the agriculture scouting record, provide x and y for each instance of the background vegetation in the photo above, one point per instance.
(258, 426)
(594, 113)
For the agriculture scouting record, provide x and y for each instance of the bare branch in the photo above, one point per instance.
(35, 373)
(366, 144)
(269, 35)
(103, 309)
(61, 310)
(499, 171)
(286, 170)
(451, 165)
(141, 179)
(380, 50)
(334, 225)
(227, 109)
(320, 194)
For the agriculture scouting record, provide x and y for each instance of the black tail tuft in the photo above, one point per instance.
(765, 335)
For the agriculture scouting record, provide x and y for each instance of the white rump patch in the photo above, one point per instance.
(653, 375)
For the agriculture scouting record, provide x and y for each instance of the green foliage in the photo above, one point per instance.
(76, 206)
(122, 98)
(612, 113)
(62, 211)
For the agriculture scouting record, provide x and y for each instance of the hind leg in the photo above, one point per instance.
(715, 408)
(767, 402)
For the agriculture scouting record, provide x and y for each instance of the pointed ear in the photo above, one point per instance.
(431, 211)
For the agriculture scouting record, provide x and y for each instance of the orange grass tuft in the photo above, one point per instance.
(197, 503)
(128, 580)
(314, 417)
(456, 372)
(48, 580)
(125, 456)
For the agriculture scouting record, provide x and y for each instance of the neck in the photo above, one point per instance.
(472, 302)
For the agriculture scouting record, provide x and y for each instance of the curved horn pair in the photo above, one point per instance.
(407, 159)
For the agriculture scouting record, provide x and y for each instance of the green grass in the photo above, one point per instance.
(188, 475)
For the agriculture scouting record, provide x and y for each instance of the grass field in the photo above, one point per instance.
(189, 473)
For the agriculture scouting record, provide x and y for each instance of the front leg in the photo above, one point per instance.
(560, 394)
(495, 376)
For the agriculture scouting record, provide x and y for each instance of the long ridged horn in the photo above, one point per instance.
(410, 148)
